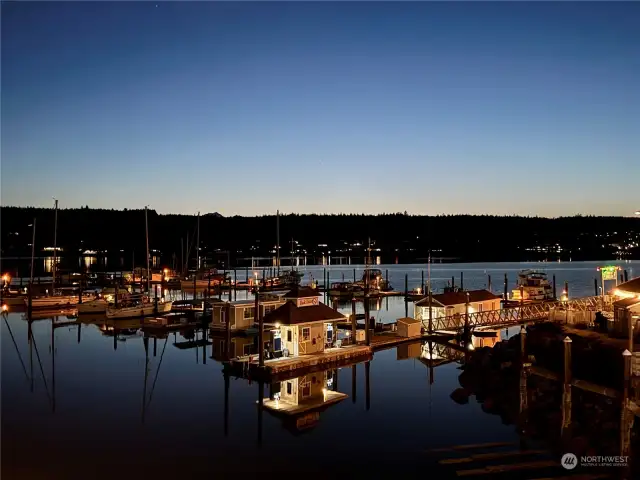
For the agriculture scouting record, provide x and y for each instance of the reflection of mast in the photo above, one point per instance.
(4, 316)
(353, 382)
(260, 408)
(226, 404)
(145, 342)
(367, 368)
(53, 362)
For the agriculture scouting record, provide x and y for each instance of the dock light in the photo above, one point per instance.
(277, 325)
(637, 212)
(5, 308)
(6, 278)
(470, 347)
(418, 290)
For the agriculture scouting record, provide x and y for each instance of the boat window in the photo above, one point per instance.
(249, 312)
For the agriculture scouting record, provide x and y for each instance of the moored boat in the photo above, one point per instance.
(532, 286)
(141, 310)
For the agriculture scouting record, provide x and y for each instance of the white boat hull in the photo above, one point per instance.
(55, 301)
(139, 311)
(93, 306)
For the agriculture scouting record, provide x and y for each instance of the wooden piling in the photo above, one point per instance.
(354, 275)
(260, 330)
(227, 330)
(422, 281)
(453, 282)
(626, 276)
(386, 276)
(595, 286)
(523, 350)
(461, 280)
(506, 286)
(566, 289)
(353, 383)
(353, 320)
(555, 297)
(489, 282)
(567, 361)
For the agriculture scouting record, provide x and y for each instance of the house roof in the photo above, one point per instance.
(301, 292)
(626, 302)
(408, 320)
(459, 298)
(632, 285)
(291, 314)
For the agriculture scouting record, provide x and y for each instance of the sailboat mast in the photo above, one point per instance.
(278, 240)
(429, 271)
(198, 244)
(146, 223)
(33, 250)
(55, 246)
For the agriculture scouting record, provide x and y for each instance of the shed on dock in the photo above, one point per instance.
(625, 312)
(630, 289)
(409, 327)
(455, 303)
(242, 312)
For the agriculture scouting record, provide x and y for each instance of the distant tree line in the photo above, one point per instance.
(400, 237)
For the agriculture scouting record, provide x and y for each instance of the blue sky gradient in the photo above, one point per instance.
(245, 108)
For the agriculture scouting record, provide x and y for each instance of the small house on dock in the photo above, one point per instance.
(302, 325)
(242, 312)
(455, 303)
(626, 312)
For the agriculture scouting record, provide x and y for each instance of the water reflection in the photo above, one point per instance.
(141, 374)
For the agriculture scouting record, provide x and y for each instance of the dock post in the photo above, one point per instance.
(353, 383)
(626, 276)
(367, 374)
(430, 314)
(386, 276)
(79, 331)
(80, 293)
(567, 361)
(30, 300)
(116, 296)
(461, 280)
(566, 289)
(260, 331)
(595, 286)
(489, 282)
(354, 275)
(523, 339)
(406, 295)
(453, 282)
(227, 330)
(155, 346)
(353, 320)
(422, 281)
(555, 297)
(506, 291)
(367, 322)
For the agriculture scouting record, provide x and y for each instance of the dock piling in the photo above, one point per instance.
(353, 383)
(523, 346)
(506, 286)
(555, 297)
(422, 289)
(595, 286)
(367, 381)
(626, 276)
(461, 280)
(226, 404)
(489, 282)
(353, 320)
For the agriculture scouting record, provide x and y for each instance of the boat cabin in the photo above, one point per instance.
(454, 303)
(532, 286)
(242, 312)
(303, 325)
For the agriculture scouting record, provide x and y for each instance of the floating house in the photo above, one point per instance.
(302, 325)
(455, 303)
(242, 312)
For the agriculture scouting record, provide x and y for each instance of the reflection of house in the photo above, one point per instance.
(625, 312)
(302, 325)
(454, 303)
(303, 394)
(488, 339)
(628, 289)
(241, 345)
(242, 312)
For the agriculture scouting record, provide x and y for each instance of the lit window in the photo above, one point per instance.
(305, 334)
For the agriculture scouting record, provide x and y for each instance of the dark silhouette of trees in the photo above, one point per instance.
(398, 236)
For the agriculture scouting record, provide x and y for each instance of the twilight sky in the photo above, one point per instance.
(245, 108)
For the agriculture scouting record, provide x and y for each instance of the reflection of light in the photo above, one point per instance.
(324, 393)
(471, 347)
(624, 294)
(6, 278)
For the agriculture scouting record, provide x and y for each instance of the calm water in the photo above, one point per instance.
(87, 409)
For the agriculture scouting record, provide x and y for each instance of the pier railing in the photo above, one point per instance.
(525, 313)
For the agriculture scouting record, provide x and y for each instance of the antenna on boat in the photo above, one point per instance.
(278, 240)
(55, 244)
(146, 223)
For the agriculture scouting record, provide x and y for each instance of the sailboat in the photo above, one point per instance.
(142, 306)
(57, 298)
(203, 279)
(285, 278)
